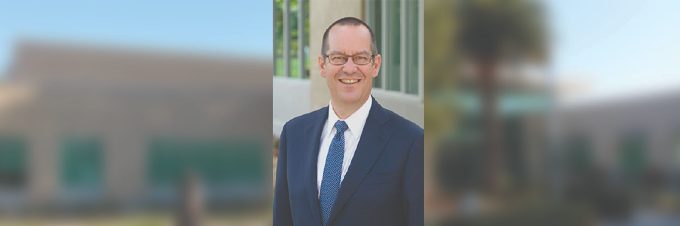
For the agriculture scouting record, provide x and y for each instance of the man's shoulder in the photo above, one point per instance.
(305, 119)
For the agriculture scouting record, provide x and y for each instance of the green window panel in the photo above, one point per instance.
(13, 162)
(218, 162)
(412, 47)
(374, 20)
(394, 44)
(81, 163)
(632, 155)
(293, 54)
(396, 25)
(278, 38)
(677, 154)
(579, 154)
(298, 49)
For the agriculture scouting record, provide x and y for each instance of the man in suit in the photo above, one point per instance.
(352, 162)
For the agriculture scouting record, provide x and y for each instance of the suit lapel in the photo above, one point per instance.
(313, 134)
(373, 140)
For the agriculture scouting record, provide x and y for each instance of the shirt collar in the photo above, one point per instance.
(355, 122)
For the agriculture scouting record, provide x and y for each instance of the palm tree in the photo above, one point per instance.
(491, 33)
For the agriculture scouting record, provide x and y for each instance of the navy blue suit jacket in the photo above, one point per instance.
(384, 182)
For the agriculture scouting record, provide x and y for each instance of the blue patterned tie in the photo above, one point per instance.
(330, 184)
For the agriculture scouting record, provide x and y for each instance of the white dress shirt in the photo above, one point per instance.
(355, 122)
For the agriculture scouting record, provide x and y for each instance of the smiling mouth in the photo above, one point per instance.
(349, 81)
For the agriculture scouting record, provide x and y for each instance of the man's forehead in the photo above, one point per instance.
(331, 52)
(358, 34)
(349, 27)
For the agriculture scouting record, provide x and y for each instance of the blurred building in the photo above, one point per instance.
(627, 140)
(83, 126)
(298, 29)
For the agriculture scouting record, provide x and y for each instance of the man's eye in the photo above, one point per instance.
(361, 58)
(337, 58)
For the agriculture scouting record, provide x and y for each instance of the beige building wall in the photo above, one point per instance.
(124, 100)
(43, 179)
(320, 16)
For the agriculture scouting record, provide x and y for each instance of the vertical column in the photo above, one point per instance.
(385, 48)
(301, 38)
(286, 38)
(368, 15)
(421, 50)
(43, 163)
(124, 166)
(402, 45)
(274, 35)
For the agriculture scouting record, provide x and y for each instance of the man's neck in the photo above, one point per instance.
(343, 111)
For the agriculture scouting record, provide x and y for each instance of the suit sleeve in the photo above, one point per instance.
(282, 211)
(413, 184)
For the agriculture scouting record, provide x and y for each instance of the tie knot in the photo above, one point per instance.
(341, 126)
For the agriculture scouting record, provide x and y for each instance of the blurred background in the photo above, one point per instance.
(135, 113)
(551, 113)
(538, 112)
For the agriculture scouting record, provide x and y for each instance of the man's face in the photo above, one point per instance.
(349, 83)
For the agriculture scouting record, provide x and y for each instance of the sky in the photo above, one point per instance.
(223, 27)
(619, 49)
(612, 48)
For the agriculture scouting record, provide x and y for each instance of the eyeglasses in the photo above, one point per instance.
(358, 59)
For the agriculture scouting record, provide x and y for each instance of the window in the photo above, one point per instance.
(291, 38)
(578, 153)
(397, 26)
(81, 163)
(13, 161)
(676, 149)
(219, 163)
(632, 159)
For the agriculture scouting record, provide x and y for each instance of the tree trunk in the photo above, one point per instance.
(488, 90)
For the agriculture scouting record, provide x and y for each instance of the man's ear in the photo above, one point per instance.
(322, 66)
(377, 60)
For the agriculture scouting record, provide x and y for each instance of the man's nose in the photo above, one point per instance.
(349, 67)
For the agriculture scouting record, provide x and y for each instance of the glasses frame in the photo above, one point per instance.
(350, 56)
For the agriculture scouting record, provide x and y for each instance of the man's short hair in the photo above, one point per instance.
(348, 21)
